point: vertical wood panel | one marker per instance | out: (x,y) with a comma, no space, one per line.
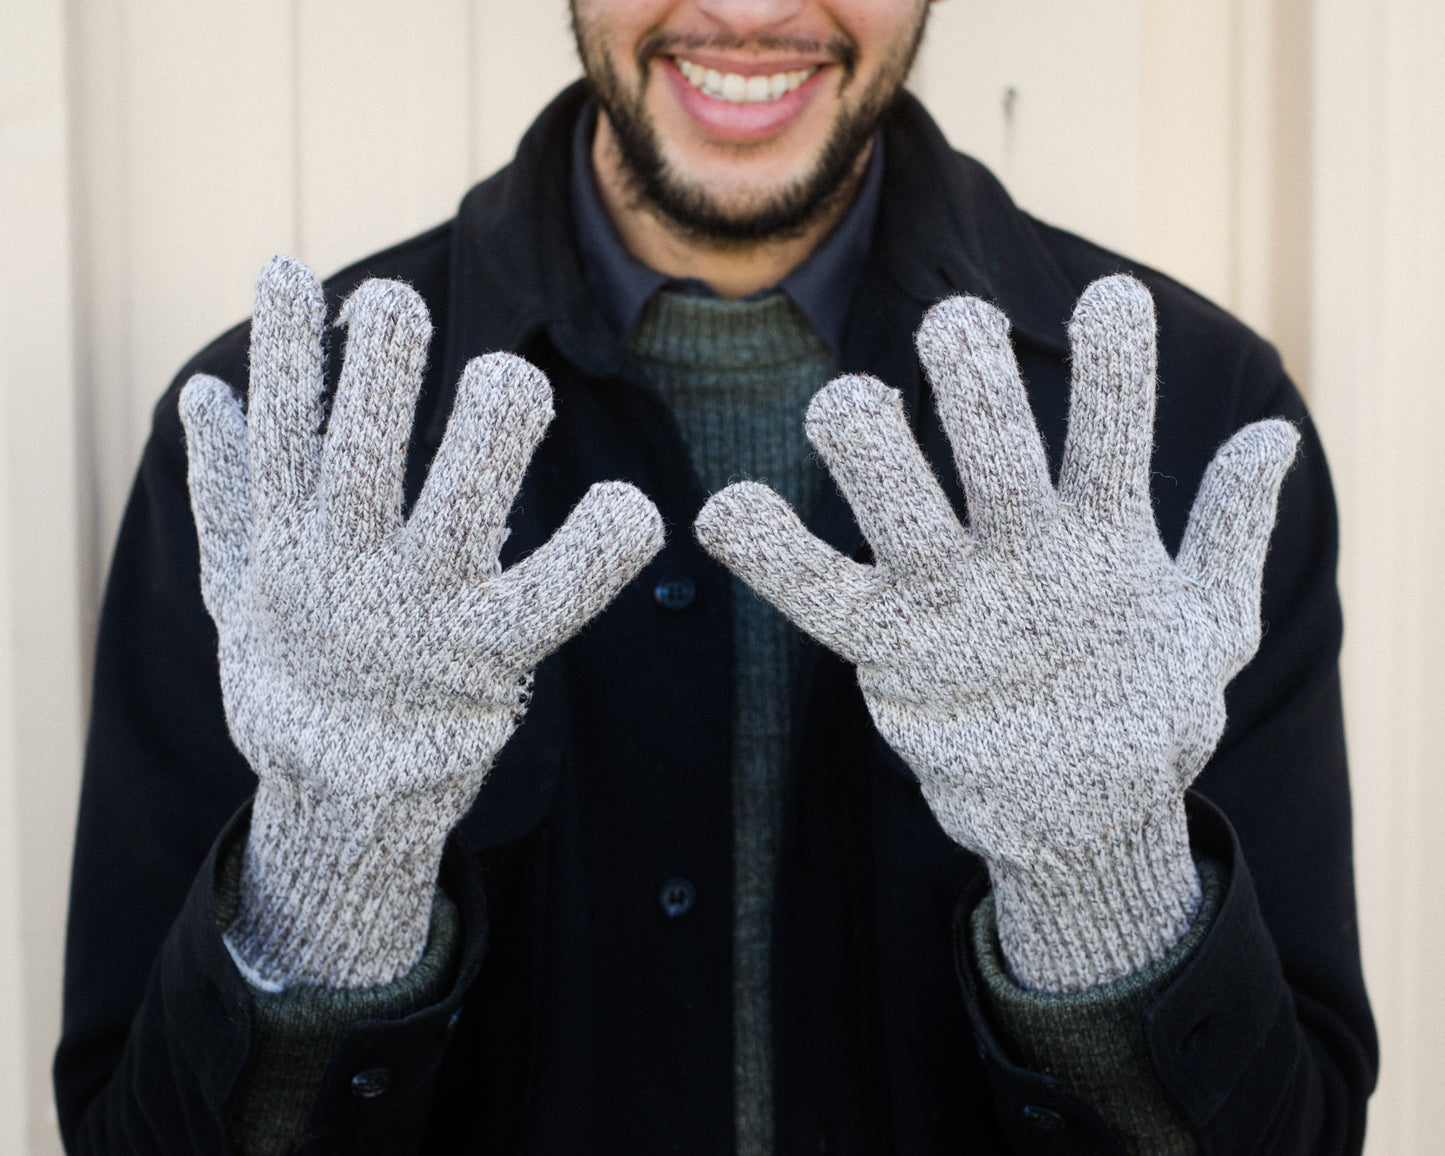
(1379,322)
(1291,184)
(209,177)
(383,105)
(40,648)
(1225,158)
(108,420)
(1254,141)
(1067,143)
(185,183)
(522,56)
(1186,143)
(15,1040)
(1346,374)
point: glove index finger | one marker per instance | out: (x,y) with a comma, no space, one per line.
(860,429)
(540,602)
(753,531)
(503,407)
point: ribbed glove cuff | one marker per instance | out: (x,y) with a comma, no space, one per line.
(1076,918)
(334,896)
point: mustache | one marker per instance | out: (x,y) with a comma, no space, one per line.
(839,50)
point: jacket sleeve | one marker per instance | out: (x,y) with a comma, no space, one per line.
(159,1027)
(1093,1040)
(297,1030)
(1264,1042)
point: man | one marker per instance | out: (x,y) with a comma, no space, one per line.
(700,902)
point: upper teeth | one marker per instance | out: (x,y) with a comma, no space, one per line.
(742,89)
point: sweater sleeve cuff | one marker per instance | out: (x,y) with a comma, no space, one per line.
(297,1030)
(1093,1040)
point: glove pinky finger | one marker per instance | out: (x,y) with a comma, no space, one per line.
(609,536)
(219,479)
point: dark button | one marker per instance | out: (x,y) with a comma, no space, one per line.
(675,593)
(371,1083)
(1045,1118)
(677,897)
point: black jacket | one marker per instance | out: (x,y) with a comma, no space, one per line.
(583,1018)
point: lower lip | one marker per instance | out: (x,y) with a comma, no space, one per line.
(742,123)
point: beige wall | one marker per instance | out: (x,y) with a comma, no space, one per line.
(1378,320)
(1284,156)
(40,571)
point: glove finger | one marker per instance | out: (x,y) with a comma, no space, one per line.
(1229,526)
(861,431)
(609,536)
(219,479)
(964,346)
(361,466)
(752,531)
(502,410)
(287,382)
(1111,404)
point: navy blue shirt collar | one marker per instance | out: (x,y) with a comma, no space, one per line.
(821,287)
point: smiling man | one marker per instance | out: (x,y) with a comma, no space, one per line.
(733,137)
(748,644)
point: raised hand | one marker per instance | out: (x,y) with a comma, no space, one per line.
(1052,676)
(373,666)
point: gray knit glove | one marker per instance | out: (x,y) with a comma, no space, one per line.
(371,666)
(1053,678)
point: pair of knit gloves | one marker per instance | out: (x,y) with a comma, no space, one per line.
(1054,679)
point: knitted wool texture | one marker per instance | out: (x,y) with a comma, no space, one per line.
(294,1033)
(737,376)
(1094,1040)
(1054,679)
(372,666)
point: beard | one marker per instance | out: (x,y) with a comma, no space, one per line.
(692,207)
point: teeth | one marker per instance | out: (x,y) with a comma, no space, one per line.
(737,89)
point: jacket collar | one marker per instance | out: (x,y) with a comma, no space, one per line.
(515,271)
(945,226)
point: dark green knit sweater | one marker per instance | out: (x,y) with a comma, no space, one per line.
(738,376)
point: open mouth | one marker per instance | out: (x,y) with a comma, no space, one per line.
(737,89)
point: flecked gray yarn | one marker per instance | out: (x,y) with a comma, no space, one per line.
(737,376)
(1052,676)
(1095,1041)
(372,666)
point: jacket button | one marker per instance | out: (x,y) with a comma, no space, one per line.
(677,897)
(1043,1118)
(370,1083)
(675,593)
